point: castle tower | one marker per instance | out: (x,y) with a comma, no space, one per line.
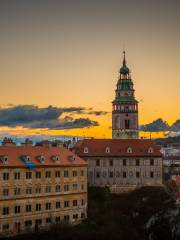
(125,107)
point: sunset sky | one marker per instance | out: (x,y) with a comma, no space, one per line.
(67,53)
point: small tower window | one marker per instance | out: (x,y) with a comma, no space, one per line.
(86,150)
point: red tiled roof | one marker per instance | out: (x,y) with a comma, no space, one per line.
(15,153)
(118,147)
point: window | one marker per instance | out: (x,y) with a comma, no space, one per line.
(48,206)
(58,188)
(5,211)
(66,204)
(28,175)
(124,174)
(58,219)
(82,187)
(58,204)
(75,186)
(66,188)
(28,208)
(28,223)
(127,123)
(82,173)
(75,203)
(66,173)
(28,190)
(66,218)
(108,150)
(129,150)
(38,189)
(111,174)
(38,222)
(97,174)
(5,227)
(111,163)
(150,150)
(17,209)
(85,150)
(98,162)
(5,176)
(38,207)
(5,192)
(137,162)
(151,174)
(124,162)
(17,191)
(137,174)
(48,220)
(57,174)
(152,162)
(48,189)
(75,216)
(38,174)
(16,175)
(82,202)
(48,174)
(74,173)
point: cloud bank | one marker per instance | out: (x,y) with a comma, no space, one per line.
(31,116)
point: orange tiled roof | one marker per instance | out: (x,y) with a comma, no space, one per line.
(117,147)
(15,153)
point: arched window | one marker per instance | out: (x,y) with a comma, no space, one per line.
(129,150)
(108,150)
(86,150)
(150,150)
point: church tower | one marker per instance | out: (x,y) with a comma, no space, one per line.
(125,107)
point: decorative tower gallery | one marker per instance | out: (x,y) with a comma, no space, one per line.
(125,107)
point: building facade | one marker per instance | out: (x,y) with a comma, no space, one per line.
(40,186)
(121,164)
(125,107)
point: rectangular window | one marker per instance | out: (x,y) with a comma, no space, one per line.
(28,208)
(75,203)
(5,176)
(137,162)
(74,173)
(152,162)
(75,216)
(82,202)
(48,189)
(48,174)
(66,204)
(5,227)
(111,163)
(82,173)
(124,162)
(28,190)
(38,207)
(38,189)
(98,162)
(17,209)
(58,204)
(66,188)
(28,223)
(17,191)
(58,219)
(75,186)
(58,188)
(17,175)
(5,192)
(48,206)
(5,211)
(48,220)
(66,218)
(151,174)
(137,174)
(124,174)
(38,175)
(57,174)
(28,175)
(38,222)
(66,173)
(97,174)
(111,174)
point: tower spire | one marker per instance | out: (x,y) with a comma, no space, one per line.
(124,59)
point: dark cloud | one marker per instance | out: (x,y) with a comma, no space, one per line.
(156,126)
(31,116)
(98,113)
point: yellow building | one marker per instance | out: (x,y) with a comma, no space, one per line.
(40,186)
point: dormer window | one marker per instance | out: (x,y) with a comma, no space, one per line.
(26,158)
(56,158)
(108,150)
(150,150)
(72,158)
(129,150)
(41,158)
(85,150)
(4,159)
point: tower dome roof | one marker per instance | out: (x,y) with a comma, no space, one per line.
(124,69)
